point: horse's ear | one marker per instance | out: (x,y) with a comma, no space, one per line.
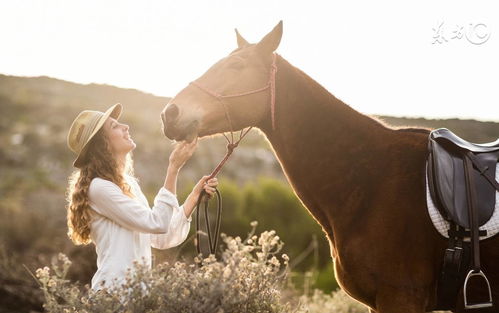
(271,41)
(241,42)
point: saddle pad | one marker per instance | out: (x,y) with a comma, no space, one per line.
(442,226)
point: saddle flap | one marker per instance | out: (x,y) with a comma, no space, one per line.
(447,174)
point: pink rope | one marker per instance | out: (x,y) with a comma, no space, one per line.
(273,71)
(270,85)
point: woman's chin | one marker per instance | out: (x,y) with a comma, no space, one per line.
(132,145)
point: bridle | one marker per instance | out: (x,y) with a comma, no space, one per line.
(270,85)
(231,145)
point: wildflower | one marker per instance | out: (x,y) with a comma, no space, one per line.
(227,272)
(285,257)
(42,272)
(274,261)
(210,259)
(51,283)
(64,259)
(260,255)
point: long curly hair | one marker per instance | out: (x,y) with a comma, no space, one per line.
(101,163)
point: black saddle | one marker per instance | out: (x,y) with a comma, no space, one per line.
(447,176)
(461,177)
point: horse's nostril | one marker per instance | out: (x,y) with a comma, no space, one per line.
(170,113)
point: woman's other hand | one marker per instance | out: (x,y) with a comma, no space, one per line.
(181,153)
(207,185)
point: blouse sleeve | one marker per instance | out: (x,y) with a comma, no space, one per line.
(179,224)
(107,199)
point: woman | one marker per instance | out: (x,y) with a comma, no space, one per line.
(106,205)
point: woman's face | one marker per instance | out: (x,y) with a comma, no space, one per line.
(119,139)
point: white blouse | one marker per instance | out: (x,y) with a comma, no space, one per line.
(123,229)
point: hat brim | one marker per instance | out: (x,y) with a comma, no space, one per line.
(114,112)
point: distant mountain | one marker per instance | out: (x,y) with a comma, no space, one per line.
(472,130)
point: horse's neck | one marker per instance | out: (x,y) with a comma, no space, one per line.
(320,142)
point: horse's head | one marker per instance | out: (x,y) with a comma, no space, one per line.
(197,111)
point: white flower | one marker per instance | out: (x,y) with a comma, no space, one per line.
(42,272)
(227,272)
(51,283)
(274,261)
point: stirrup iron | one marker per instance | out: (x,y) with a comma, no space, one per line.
(467,305)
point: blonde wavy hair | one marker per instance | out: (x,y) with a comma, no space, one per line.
(101,163)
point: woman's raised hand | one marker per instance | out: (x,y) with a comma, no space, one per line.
(182,152)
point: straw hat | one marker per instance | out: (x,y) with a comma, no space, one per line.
(85,126)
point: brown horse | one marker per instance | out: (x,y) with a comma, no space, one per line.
(362,181)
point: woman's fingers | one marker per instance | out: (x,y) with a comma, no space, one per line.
(208,185)
(209,189)
(182,152)
(190,146)
(212,182)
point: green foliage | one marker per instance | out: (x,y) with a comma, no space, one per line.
(275,206)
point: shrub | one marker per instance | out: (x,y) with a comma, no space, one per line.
(248,278)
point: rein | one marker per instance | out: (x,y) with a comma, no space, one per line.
(231,145)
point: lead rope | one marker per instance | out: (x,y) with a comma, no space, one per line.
(231,145)
(213,240)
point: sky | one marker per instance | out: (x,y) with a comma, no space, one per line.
(433,59)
